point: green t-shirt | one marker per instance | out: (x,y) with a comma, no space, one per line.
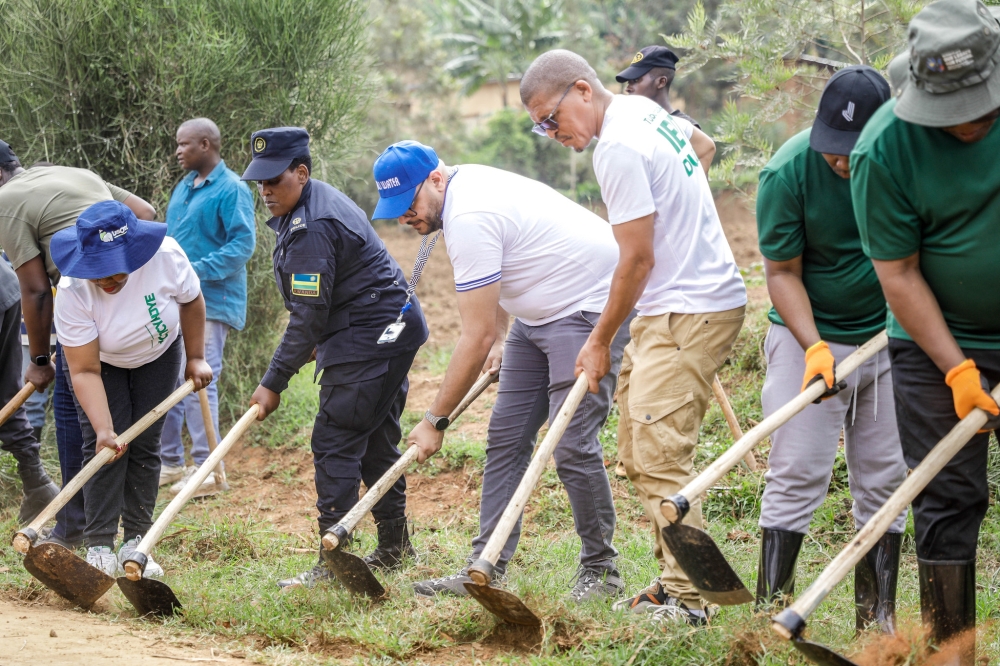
(919,189)
(804,208)
(38,202)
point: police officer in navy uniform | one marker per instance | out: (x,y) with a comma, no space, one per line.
(345,296)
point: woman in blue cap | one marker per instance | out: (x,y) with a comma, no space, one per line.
(127,300)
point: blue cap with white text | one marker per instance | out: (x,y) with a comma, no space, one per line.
(398,171)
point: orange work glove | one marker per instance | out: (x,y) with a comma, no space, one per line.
(820,367)
(970,390)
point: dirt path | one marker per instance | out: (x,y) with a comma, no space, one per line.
(39,634)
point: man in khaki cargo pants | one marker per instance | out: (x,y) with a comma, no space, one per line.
(675,267)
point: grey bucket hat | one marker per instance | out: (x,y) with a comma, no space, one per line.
(954,52)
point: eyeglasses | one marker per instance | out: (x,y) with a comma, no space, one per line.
(409,211)
(549,124)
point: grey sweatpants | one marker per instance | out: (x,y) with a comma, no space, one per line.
(536,375)
(803,450)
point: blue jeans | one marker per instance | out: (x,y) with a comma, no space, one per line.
(189,409)
(34,406)
(71,519)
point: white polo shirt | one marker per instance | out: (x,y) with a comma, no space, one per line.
(645,164)
(551,256)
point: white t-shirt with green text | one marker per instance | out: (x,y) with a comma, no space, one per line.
(140,322)
(645,164)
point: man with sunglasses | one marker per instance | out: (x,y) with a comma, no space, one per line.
(518,248)
(675,267)
(925,186)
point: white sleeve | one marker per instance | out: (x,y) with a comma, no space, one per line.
(74,321)
(626,188)
(185,282)
(475,247)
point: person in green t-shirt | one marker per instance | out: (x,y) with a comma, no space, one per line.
(827,301)
(926,189)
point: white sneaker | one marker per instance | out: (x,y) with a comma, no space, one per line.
(182,481)
(125,551)
(170,474)
(102,559)
(207,487)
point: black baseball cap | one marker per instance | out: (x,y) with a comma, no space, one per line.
(273,151)
(851,97)
(647,59)
(6,153)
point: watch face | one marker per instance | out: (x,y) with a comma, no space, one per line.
(442,423)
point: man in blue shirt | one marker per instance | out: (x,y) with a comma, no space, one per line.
(211,215)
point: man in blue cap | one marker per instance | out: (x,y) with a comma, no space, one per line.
(827,301)
(349,306)
(518,248)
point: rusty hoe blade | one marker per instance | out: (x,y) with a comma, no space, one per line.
(503,604)
(66,574)
(353,573)
(705,565)
(149,596)
(821,654)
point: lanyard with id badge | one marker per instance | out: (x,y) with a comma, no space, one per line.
(393,330)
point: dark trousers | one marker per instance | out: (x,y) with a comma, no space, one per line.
(356,436)
(947,514)
(71,519)
(126,489)
(16,436)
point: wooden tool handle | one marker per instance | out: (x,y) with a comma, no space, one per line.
(22,542)
(731,420)
(718,469)
(206,417)
(534,472)
(152,536)
(873,530)
(19,398)
(330,540)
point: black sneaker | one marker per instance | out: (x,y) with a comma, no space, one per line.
(453,585)
(655,601)
(317,574)
(595,584)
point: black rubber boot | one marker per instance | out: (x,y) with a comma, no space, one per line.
(875,579)
(948,605)
(779,549)
(38,488)
(393,545)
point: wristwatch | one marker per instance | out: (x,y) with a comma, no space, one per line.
(41,360)
(439,422)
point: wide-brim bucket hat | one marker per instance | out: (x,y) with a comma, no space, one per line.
(106,240)
(954,54)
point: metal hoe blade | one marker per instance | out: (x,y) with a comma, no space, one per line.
(821,654)
(353,573)
(705,565)
(66,574)
(150,597)
(503,604)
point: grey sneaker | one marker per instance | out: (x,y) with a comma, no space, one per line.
(453,585)
(101,558)
(125,551)
(317,574)
(663,607)
(596,584)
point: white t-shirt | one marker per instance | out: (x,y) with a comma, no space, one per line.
(140,322)
(645,164)
(552,256)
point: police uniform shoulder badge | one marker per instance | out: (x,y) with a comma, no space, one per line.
(305,284)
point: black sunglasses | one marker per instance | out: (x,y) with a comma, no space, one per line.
(549,124)
(409,211)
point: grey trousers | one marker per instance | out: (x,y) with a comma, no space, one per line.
(536,375)
(16,435)
(803,450)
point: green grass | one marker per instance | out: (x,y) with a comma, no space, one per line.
(224,570)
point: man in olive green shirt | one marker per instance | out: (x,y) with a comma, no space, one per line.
(827,302)
(926,190)
(34,205)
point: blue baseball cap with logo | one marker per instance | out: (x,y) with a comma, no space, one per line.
(398,171)
(106,240)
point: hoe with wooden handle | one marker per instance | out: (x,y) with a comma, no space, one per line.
(19,398)
(694,550)
(152,597)
(58,568)
(501,603)
(732,421)
(220,471)
(791,622)
(352,571)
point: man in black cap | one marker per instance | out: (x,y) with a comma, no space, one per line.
(925,187)
(827,301)
(650,74)
(348,304)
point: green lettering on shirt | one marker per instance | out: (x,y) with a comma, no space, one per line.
(154,319)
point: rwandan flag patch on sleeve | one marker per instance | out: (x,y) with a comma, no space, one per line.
(305,284)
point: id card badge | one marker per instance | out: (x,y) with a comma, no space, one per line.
(391,333)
